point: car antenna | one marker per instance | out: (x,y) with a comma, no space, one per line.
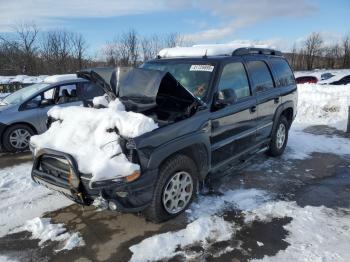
(205,55)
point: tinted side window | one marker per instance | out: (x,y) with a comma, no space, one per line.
(234,77)
(89,91)
(284,75)
(261,75)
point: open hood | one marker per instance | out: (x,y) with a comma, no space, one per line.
(140,89)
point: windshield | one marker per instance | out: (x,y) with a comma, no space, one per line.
(24,93)
(195,77)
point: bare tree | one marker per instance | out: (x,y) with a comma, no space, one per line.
(27,36)
(79,48)
(313,47)
(150,47)
(346,51)
(331,55)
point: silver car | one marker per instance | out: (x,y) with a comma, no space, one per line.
(24,112)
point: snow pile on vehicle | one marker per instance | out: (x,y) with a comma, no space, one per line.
(58,78)
(88,135)
(23,199)
(42,229)
(323,105)
(209,50)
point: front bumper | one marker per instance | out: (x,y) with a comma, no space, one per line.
(127,196)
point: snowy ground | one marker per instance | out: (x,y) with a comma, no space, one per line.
(295,208)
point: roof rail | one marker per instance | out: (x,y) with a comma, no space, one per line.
(254,50)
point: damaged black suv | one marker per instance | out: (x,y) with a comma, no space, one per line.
(214,112)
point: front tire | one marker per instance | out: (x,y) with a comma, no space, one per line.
(175,189)
(16,138)
(279,137)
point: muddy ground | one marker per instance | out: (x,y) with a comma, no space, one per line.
(322,179)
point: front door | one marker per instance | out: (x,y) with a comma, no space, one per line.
(234,125)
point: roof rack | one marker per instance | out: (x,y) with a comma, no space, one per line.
(254,50)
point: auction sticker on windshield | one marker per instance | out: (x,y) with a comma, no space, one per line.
(207,68)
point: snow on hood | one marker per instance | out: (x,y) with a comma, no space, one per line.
(83,133)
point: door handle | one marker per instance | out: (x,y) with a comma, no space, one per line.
(253,109)
(277,100)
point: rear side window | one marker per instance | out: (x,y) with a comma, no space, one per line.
(284,75)
(261,76)
(234,77)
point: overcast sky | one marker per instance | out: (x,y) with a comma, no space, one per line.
(276,22)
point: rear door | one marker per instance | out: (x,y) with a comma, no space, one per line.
(233,126)
(268,97)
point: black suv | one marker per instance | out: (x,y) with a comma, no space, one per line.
(213,112)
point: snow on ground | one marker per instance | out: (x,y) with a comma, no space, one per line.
(207,227)
(323,105)
(315,233)
(301,145)
(83,133)
(22,199)
(42,229)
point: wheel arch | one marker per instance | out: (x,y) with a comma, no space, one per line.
(194,147)
(286,109)
(19,123)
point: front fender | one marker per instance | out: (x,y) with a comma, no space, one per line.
(198,141)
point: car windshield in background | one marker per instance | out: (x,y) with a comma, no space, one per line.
(195,77)
(24,93)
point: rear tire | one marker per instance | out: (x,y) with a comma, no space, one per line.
(279,137)
(16,138)
(175,189)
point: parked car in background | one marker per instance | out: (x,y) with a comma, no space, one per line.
(326,76)
(342,81)
(306,79)
(24,112)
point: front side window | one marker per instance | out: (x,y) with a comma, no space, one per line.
(234,77)
(261,76)
(195,77)
(36,101)
(284,75)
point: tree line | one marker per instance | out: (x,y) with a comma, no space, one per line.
(33,52)
(315,53)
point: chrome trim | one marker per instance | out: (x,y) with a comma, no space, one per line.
(266,125)
(51,186)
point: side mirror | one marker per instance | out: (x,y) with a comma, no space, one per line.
(46,102)
(225,97)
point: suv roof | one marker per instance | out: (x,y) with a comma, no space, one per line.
(216,51)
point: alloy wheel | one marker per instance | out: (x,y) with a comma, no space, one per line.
(19,138)
(178,192)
